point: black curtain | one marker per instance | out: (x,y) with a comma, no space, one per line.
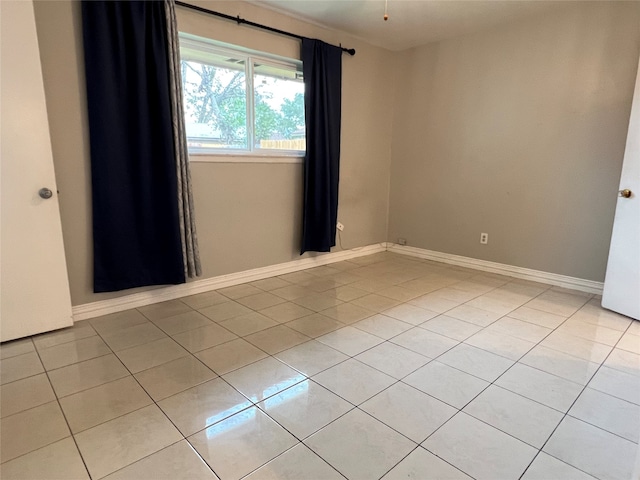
(136,236)
(322,69)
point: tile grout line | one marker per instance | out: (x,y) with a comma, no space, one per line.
(463,342)
(567,414)
(192,354)
(158,407)
(492,383)
(309,378)
(253,404)
(355,407)
(84,463)
(353,356)
(28,376)
(304,445)
(418,445)
(388,340)
(119,416)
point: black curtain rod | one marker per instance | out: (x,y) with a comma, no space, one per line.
(350,51)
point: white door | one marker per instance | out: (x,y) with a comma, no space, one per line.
(622,283)
(35,287)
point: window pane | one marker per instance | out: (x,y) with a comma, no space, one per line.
(215,102)
(279,108)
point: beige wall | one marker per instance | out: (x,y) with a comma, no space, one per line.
(518,131)
(248,215)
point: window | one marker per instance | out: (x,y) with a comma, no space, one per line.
(242,102)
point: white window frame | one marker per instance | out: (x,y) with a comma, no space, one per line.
(250,57)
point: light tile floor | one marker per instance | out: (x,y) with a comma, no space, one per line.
(384,366)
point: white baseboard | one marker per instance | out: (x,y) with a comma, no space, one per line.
(134,300)
(125,302)
(573,283)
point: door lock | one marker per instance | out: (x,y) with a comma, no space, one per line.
(626,193)
(45,193)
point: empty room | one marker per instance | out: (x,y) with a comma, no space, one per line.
(320,239)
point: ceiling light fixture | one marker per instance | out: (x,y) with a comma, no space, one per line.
(386,17)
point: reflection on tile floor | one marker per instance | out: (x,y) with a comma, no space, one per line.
(383,366)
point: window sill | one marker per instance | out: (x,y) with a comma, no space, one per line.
(243,158)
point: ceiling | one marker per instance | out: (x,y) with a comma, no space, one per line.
(411,22)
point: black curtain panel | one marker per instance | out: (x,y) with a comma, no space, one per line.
(136,236)
(322,69)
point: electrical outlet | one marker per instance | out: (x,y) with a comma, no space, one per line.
(402,241)
(340,226)
(484,238)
